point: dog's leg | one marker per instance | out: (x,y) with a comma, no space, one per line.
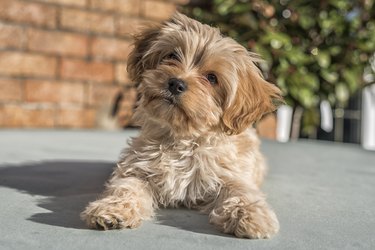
(126,202)
(241,210)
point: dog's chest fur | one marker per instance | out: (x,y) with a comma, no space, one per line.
(183,172)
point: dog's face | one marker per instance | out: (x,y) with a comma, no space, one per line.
(194,80)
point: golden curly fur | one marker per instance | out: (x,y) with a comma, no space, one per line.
(195,148)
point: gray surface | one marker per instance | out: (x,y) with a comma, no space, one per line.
(323,194)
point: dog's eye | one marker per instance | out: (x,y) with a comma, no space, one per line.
(212,78)
(173,56)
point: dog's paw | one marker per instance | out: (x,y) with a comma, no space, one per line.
(254,221)
(110,213)
(260,223)
(106,222)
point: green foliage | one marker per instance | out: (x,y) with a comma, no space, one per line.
(314,50)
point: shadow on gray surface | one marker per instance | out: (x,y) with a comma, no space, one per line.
(188,220)
(69,186)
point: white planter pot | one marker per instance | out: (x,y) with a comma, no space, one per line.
(284,123)
(368,117)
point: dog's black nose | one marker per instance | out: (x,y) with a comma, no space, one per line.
(176,86)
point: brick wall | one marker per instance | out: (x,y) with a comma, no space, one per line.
(63,61)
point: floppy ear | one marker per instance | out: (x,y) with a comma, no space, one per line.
(136,63)
(254,98)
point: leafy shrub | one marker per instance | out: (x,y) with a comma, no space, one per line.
(314,50)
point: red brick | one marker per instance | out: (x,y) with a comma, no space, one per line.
(181,2)
(79,3)
(54,92)
(26,12)
(110,48)
(127,26)
(130,97)
(61,43)
(104,117)
(130,7)
(10,90)
(15,116)
(11,36)
(126,108)
(83,70)
(102,95)
(76,118)
(107,5)
(23,64)
(122,76)
(158,10)
(87,21)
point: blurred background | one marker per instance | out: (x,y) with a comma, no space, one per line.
(63,62)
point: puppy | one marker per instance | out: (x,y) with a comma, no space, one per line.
(200,94)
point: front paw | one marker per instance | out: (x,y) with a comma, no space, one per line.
(254,221)
(111,213)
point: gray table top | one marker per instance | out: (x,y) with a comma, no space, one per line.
(323,194)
